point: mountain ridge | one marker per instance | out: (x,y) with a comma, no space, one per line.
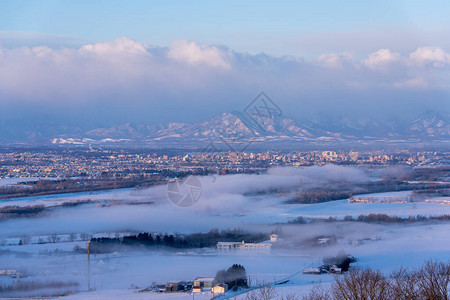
(239,127)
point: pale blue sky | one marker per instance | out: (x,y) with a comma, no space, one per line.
(274,27)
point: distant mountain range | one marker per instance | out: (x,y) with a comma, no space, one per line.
(237,130)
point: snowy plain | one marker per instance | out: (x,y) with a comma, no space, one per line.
(225,204)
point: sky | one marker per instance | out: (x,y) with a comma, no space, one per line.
(276,28)
(100,63)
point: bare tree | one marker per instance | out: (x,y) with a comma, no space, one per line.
(403,285)
(25,239)
(290,296)
(317,293)
(85,236)
(433,280)
(251,296)
(360,284)
(54,238)
(430,282)
(72,237)
(265,291)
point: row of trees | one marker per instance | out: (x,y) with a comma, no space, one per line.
(383,218)
(376,218)
(14,211)
(235,277)
(194,240)
(69,185)
(344,190)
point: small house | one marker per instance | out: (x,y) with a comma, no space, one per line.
(203,284)
(323,241)
(273,238)
(174,286)
(335,270)
(219,288)
(315,271)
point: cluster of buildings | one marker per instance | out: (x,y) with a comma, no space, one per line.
(94,163)
(199,285)
(254,248)
(211,284)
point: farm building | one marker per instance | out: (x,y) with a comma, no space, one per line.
(262,247)
(176,286)
(219,288)
(203,284)
(228,245)
(315,271)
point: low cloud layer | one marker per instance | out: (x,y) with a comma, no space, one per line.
(131,81)
(228,201)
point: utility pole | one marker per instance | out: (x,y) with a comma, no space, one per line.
(89,264)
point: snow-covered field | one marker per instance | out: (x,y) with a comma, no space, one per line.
(225,203)
(52,200)
(116,274)
(342,208)
(15,181)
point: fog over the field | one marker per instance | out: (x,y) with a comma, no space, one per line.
(229,201)
(243,201)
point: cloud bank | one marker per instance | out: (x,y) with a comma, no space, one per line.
(131,81)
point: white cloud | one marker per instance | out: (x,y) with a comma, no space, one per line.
(418,82)
(334,60)
(124,67)
(122,45)
(193,54)
(430,55)
(382,59)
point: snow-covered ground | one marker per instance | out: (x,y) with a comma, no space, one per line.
(224,204)
(342,208)
(52,200)
(15,181)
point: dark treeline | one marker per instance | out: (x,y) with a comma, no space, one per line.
(21,211)
(194,240)
(419,195)
(235,277)
(383,218)
(341,260)
(395,181)
(338,191)
(15,211)
(375,218)
(104,182)
(425,174)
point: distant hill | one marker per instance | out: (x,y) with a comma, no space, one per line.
(236,130)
